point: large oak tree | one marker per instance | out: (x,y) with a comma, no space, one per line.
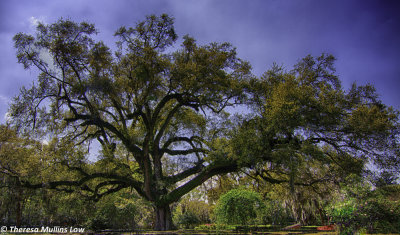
(161,112)
(154,104)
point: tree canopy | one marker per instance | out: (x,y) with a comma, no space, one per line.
(162,114)
(304,121)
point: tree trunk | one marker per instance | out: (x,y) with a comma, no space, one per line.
(18,209)
(321,212)
(163,219)
(18,212)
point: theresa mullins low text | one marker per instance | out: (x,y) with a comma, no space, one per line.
(47,229)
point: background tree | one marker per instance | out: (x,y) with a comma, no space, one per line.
(26,165)
(305,124)
(19,159)
(307,193)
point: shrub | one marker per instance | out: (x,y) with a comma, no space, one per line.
(217,227)
(378,211)
(239,206)
(187,220)
(191,212)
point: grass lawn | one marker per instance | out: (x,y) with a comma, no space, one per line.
(227,232)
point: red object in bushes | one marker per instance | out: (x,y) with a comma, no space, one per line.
(327,228)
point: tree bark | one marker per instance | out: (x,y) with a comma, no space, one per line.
(18,209)
(321,213)
(18,212)
(163,218)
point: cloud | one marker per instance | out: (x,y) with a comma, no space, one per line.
(4,99)
(34,21)
(7,117)
(4,102)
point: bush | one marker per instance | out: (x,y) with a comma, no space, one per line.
(377,211)
(191,212)
(113,212)
(216,227)
(345,216)
(187,220)
(383,215)
(121,210)
(239,206)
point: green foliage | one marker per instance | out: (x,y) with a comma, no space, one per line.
(187,220)
(305,115)
(191,212)
(382,215)
(239,206)
(275,213)
(113,212)
(218,186)
(216,227)
(360,208)
(308,134)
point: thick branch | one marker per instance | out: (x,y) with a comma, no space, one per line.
(265,176)
(184,151)
(90,120)
(120,180)
(165,125)
(207,173)
(162,104)
(96,197)
(184,174)
(181,139)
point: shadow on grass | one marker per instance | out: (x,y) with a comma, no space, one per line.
(193,231)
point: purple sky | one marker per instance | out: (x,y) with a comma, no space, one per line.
(363,35)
